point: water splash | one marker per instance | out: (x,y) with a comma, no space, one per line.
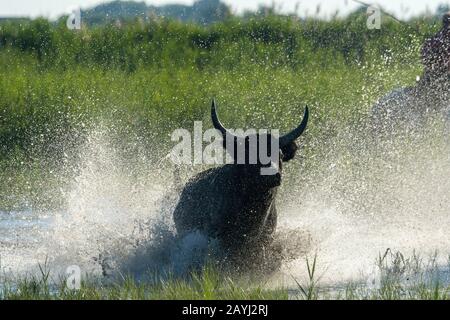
(361,198)
(373,195)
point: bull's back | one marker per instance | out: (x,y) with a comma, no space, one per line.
(202,202)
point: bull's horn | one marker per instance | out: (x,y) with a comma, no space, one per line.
(216,122)
(297,132)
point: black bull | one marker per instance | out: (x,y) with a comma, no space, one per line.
(234,203)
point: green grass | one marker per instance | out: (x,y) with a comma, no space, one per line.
(143,81)
(205,285)
(161,75)
(46,116)
(401,278)
(147,80)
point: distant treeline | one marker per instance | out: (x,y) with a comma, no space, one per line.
(273,40)
(201,11)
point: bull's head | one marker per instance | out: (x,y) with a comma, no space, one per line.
(260,155)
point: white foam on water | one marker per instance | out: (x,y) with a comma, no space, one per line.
(351,211)
(395,199)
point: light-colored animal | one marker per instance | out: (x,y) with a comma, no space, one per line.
(410,107)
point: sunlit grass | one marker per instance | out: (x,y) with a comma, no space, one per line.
(56,86)
(146,81)
(208,284)
(46,116)
(399,278)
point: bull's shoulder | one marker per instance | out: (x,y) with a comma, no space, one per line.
(203,201)
(212,179)
(208,188)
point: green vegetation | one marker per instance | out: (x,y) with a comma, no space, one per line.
(202,11)
(205,285)
(400,277)
(161,74)
(145,78)
(149,78)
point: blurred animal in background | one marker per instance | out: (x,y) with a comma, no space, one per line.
(411,106)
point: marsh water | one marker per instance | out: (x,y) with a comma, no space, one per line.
(350,204)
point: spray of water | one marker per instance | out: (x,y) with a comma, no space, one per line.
(360,197)
(372,195)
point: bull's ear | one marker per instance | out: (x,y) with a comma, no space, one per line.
(288,151)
